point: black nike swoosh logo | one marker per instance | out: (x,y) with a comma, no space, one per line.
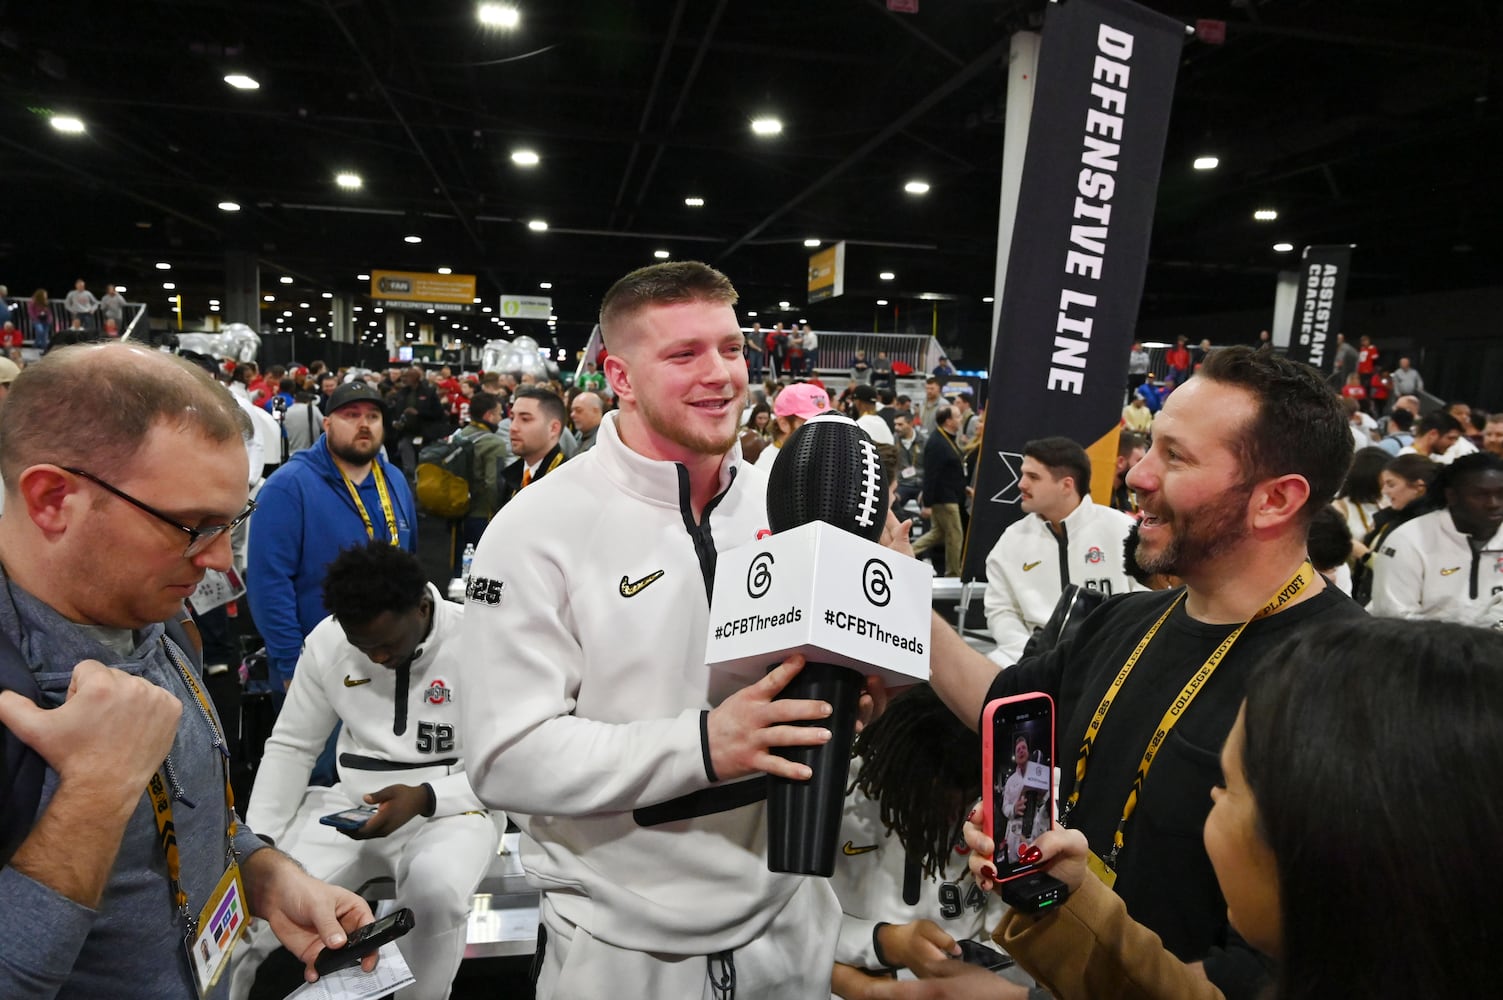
(850,850)
(630,589)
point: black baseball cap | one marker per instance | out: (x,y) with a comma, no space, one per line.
(866,393)
(357,391)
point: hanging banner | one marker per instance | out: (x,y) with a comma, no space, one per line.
(1323,273)
(827,273)
(417,289)
(527,306)
(1075,271)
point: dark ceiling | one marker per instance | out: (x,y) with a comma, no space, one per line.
(1374,122)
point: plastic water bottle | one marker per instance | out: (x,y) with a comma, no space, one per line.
(466,559)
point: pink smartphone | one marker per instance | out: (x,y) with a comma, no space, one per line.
(1017,767)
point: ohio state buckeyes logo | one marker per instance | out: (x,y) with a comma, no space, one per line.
(1095,555)
(438,693)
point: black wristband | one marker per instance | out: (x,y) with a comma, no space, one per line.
(704,746)
(877,946)
(432,806)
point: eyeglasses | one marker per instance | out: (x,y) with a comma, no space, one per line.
(199,539)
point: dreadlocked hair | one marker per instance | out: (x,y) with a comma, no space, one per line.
(921,766)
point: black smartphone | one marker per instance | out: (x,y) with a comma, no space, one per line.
(349,820)
(976,953)
(364,940)
(1017,765)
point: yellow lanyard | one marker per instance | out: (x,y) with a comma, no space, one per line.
(387,511)
(161,801)
(1297,584)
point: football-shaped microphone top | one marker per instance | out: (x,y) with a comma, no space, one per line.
(828,470)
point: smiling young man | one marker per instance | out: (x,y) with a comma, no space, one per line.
(601,731)
(339,492)
(385,664)
(126,472)
(1243,455)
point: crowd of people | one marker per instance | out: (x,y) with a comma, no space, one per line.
(1222,661)
(84,317)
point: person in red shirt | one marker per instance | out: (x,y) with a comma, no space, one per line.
(1367,356)
(1379,388)
(1354,389)
(1177,360)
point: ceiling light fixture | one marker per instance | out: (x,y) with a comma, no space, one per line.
(811,242)
(286,279)
(783,304)
(162,265)
(168,286)
(1265,215)
(917,187)
(695,202)
(349,181)
(988,298)
(881,302)
(67,123)
(412,238)
(660,254)
(766,126)
(545,284)
(267,298)
(446,270)
(525,158)
(242,82)
(538,226)
(1206,163)
(330,295)
(498,15)
(362,277)
(1283,247)
(887,276)
(229,206)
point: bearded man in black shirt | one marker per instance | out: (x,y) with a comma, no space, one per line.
(1243,455)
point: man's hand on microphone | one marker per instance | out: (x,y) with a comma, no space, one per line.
(744,728)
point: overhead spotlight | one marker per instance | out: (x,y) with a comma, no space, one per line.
(811,242)
(1265,215)
(766,126)
(881,302)
(121,289)
(1206,163)
(242,82)
(917,187)
(783,304)
(988,298)
(412,238)
(285,279)
(267,298)
(660,254)
(545,285)
(694,202)
(498,15)
(752,313)
(229,206)
(1283,247)
(328,295)
(446,270)
(525,158)
(538,226)
(349,181)
(213,309)
(168,286)
(362,277)
(887,276)
(212,302)
(162,265)
(67,123)
(302,305)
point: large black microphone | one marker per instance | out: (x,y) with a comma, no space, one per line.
(829,471)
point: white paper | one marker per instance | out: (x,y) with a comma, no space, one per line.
(391,973)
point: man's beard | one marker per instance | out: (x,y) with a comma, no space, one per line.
(350,452)
(1198,538)
(680,434)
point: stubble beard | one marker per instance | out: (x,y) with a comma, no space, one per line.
(1198,538)
(679,434)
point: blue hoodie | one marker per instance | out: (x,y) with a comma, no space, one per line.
(304,517)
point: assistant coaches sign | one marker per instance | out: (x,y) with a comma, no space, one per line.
(1080,244)
(1323,272)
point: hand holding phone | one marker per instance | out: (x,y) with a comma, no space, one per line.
(364,940)
(1017,768)
(349,820)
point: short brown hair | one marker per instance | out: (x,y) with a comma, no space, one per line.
(1300,428)
(93,405)
(672,283)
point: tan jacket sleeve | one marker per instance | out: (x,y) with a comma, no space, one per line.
(1091,948)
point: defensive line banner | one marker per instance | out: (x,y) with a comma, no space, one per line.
(1323,275)
(1080,247)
